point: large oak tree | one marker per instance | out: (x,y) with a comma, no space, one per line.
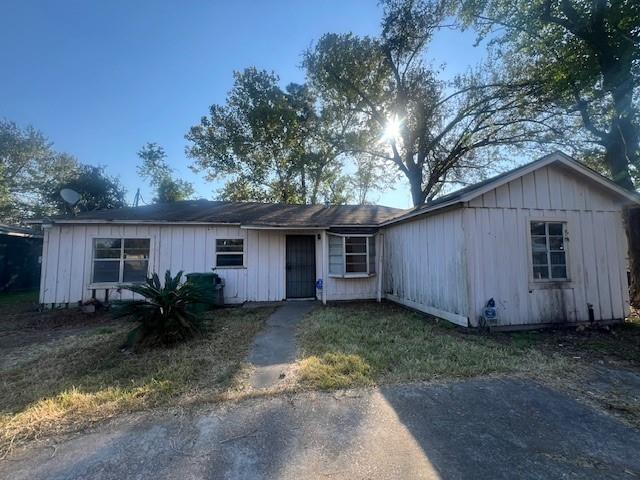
(433,131)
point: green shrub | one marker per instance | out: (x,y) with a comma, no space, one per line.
(165,314)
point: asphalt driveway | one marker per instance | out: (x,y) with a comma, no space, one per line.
(481,429)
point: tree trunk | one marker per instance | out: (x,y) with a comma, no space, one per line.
(632,223)
(415,181)
(618,161)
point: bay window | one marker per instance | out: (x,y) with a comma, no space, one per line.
(352,255)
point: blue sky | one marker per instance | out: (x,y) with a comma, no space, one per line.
(101,78)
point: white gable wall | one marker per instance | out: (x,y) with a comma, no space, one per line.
(496,225)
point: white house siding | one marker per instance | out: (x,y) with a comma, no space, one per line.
(68,251)
(424,265)
(496,225)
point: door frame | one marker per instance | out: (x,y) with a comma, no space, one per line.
(315,265)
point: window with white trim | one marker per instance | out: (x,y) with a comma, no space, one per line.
(548,253)
(120,260)
(229,252)
(352,255)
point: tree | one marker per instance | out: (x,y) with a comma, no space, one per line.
(155,168)
(28,164)
(434,132)
(584,56)
(98,191)
(370,175)
(271,144)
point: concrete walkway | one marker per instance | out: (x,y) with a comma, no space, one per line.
(274,348)
(481,429)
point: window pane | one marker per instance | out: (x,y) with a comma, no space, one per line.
(559,271)
(555,229)
(537,228)
(539,244)
(356,264)
(336,260)
(540,272)
(135,271)
(372,255)
(558,258)
(107,243)
(232,260)
(556,243)
(355,244)
(106,248)
(539,258)
(229,245)
(106,271)
(136,248)
(335,265)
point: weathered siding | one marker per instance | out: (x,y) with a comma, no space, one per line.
(68,250)
(424,265)
(497,234)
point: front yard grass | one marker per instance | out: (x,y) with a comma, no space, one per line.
(65,383)
(365,344)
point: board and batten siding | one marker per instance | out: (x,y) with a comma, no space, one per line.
(68,256)
(424,265)
(497,225)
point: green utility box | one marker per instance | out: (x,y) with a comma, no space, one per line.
(212,288)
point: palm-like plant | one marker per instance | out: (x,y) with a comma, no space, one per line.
(164,314)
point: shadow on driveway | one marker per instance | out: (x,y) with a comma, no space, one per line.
(480,429)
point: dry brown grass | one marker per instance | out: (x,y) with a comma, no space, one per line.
(73,381)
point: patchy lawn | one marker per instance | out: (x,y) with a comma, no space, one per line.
(367,343)
(71,371)
(361,344)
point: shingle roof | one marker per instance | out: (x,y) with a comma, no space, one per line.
(245,213)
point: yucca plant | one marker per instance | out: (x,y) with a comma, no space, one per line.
(164,314)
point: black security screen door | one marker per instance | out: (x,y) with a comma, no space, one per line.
(301,266)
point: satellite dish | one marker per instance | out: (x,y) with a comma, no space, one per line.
(70,196)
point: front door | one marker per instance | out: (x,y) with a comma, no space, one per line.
(301,266)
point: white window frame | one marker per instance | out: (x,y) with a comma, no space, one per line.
(243,253)
(120,261)
(345,274)
(549,282)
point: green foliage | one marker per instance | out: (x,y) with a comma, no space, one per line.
(164,314)
(97,190)
(28,165)
(584,56)
(154,167)
(272,144)
(432,131)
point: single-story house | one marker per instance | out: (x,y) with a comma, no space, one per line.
(20,250)
(545,241)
